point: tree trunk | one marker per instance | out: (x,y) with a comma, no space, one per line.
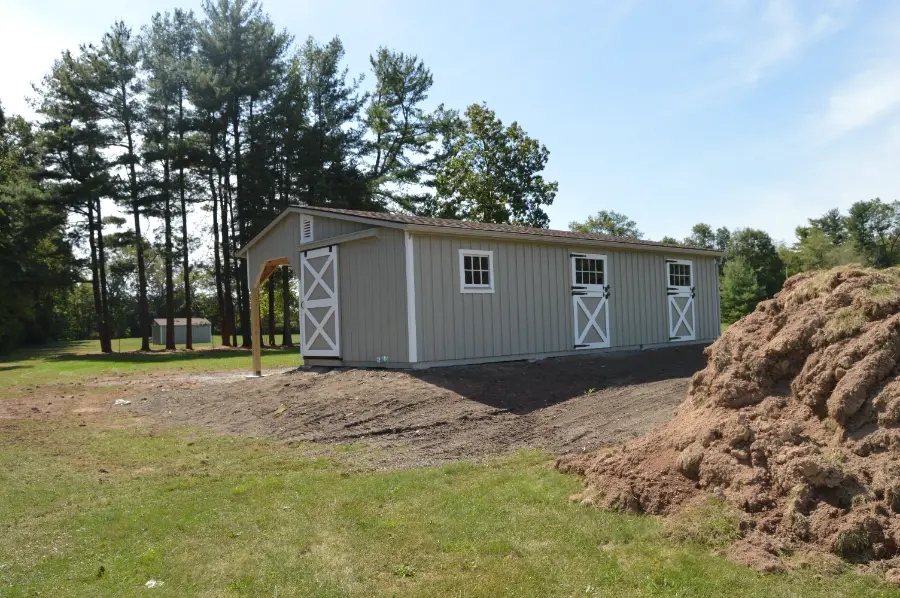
(105,341)
(170,279)
(243,289)
(228,327)
(188,330)
(271,322)
(143,304)
(220,302)
(167,222)
(286,337)
(236,267)
(95,279)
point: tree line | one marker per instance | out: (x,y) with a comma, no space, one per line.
(755,266)
(157,152)
(223,119)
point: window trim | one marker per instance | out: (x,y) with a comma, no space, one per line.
(473,288)
(601,257)
(681,262)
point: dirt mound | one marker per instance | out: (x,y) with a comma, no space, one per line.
(795,420)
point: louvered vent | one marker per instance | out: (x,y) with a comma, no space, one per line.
(306,229)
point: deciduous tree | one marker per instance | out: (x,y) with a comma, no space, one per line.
(608,223)
(491,173)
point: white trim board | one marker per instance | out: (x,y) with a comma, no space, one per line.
(411,298)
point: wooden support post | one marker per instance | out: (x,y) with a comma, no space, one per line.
(255,331)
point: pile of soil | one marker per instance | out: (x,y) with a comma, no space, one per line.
(795,420)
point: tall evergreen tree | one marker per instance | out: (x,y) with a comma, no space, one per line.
(160,62)
(240,46)
(114,81)
(333,141)
(400,131)
(72,139)
(36,261)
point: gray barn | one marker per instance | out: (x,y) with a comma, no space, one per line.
(201,331)
(392,290)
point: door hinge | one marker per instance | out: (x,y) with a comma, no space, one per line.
(581,346)
(579,292)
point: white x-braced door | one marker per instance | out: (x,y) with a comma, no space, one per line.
(590,300)
(320,330)
(680,302)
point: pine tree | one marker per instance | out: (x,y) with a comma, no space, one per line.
(331,145)
(740,292)
(71,139)
(401,131)
(184,40)
(159,60)
(242,50)
(112,77)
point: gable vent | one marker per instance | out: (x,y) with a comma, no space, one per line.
(306,229)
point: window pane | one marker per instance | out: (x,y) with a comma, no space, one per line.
(467,262)
(484,262)
(486,278)
(468,277)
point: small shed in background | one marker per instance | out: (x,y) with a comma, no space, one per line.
(202,331)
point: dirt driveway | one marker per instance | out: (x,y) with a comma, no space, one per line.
(416,418)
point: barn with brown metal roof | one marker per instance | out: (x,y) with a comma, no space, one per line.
(392,290)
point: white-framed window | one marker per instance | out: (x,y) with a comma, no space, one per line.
(476,271)
(306,228)
(589,270)
(680,274)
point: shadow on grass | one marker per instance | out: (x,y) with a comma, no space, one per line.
(166,356)
(6,368)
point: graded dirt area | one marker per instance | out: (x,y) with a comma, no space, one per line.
(416,418)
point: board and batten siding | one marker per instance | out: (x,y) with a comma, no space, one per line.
(284,240)
(530,311)
(326,228)
(373,298)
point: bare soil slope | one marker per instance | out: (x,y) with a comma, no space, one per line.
(560,405)
(795,420)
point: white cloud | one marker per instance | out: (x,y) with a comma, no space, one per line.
(781,35)
(865,99)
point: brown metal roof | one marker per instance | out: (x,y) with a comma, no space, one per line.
(182,321)
(500,228)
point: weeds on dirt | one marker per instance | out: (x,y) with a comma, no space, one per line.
(713,523)
(845,323)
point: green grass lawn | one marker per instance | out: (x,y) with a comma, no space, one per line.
(219,516)
(77,361)
(99,509)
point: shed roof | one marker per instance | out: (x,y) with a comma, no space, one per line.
(438,225)
(182,321)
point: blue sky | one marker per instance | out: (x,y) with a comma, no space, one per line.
(732,112)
